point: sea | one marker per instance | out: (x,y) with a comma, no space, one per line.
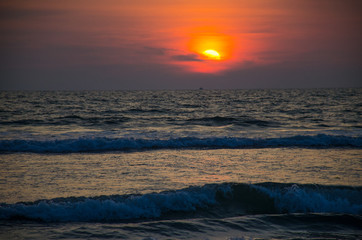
(181,164)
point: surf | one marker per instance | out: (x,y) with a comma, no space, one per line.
(211,200)
(103,144)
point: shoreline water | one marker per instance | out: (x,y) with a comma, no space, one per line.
(33,176)
(248,164)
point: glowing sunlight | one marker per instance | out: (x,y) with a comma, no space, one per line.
(212,54)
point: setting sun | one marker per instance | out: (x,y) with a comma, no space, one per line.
(212,54)
(213,50)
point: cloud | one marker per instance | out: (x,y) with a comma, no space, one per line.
(155,50)
(19,12)
(145,75)
(187,58)
(159,51)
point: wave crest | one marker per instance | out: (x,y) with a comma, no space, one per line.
(125,144)
(221,200)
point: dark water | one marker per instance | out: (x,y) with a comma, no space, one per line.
(203,164)
(135,120)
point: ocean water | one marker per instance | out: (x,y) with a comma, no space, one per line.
(187,164)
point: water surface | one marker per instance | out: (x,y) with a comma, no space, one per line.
(201,164)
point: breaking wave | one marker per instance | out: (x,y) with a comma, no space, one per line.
(217,200)
(102,144)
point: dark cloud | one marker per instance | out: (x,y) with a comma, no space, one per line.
(159,76)
(158,51)
(155,50)
(187,58)
(16,13)
(54,56)
(296,74)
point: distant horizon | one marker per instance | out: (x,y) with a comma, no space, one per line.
(176,89)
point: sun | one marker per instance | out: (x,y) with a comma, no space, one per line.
(213,50)
(211,54)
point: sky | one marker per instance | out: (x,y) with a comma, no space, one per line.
(188,44)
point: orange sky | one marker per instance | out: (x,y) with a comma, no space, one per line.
(173,34)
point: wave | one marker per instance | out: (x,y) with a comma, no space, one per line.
(102,144)
(70,119)
(222,121)
(217,200)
